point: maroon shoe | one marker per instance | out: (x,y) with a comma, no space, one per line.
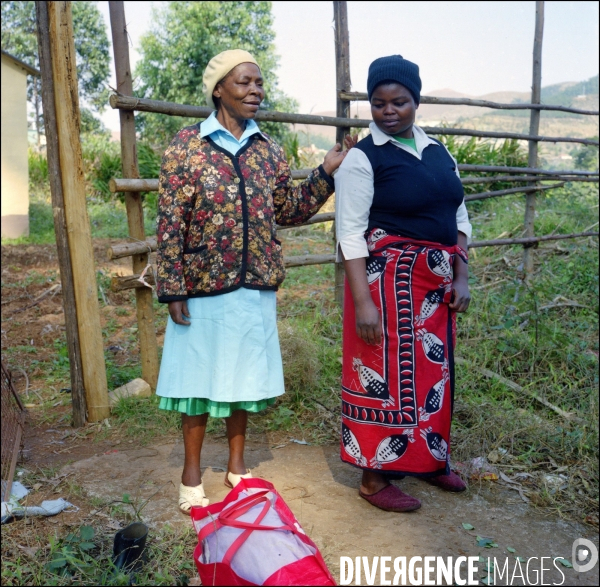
(450,482)
(391,499)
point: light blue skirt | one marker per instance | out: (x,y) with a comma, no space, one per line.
(229,353)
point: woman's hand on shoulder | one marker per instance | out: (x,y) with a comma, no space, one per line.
(177,311)
(335,156)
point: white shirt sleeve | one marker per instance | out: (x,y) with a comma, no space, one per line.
(353,198)
(462,216)
(462,221)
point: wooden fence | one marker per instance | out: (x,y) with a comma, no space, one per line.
(131,185)
(74,245)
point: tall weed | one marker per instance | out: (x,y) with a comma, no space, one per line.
(478,151)
(38,167)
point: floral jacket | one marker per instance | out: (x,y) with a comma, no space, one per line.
(217,214)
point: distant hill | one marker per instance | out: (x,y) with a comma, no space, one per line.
(577,94)
(571,93)
(582,95)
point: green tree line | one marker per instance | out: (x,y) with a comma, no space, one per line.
(174,54)
(19,38)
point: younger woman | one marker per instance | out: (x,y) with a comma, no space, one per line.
(402,230)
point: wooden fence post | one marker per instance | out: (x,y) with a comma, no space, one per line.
(133,200)
(66,105)
(343,84)
(534,127)
(60,223)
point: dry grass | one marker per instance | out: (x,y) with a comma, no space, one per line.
(301,364)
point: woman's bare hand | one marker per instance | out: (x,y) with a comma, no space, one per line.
(177,311)
(368,322)
(335,156)
(350,141)
(461,297)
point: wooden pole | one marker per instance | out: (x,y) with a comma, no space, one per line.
(133,200)
(173,109)
(66,104)
(132,281)
(363,97)
(151,185)
(534,128)
(501,242)
(118,184)
(60,223)
(525,178)
(508,192)
(501,169)
(120,250)
(343,83)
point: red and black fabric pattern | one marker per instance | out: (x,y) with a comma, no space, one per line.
(397,396)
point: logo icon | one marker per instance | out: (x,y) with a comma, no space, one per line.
(584,550)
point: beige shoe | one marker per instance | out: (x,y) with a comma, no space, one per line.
(191,496)
(231,479)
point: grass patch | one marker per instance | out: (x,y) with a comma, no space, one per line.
(541,334)
(108,219)
(140,418)
(83,556)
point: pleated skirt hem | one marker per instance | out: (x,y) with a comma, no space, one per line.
(193,406)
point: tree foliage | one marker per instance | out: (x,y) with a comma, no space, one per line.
(19,38)
(586,157)
(185,36)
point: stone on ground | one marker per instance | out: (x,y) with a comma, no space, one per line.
(138,387)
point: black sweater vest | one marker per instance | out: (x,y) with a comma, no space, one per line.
(416,199)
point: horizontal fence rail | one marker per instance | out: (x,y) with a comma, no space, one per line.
(502,169)
(128,249)
(142,185)
(528,240)
(509,191)
(120,283)
(149,245)
(151,185)
(362,97)
(171,108)
(524,178)
(512,174)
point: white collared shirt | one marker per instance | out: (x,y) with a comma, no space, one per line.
(354,189)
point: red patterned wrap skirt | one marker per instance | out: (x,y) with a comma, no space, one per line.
(397,396)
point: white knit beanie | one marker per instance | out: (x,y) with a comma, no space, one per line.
(219,66)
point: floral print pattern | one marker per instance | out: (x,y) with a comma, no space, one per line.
(217,214)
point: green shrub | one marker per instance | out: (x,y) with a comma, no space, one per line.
(301,365)
(38,168)
(586,157)
(478,151)
(148,161)
(102,162)
(106,167)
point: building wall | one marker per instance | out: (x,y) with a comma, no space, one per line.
(15,174)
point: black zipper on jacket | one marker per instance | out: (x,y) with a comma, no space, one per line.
(235,159)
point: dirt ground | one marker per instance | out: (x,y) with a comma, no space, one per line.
(319,488)
(322,493)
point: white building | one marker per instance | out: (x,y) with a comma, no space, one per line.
(15,173)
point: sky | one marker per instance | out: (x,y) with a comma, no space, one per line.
(471,47)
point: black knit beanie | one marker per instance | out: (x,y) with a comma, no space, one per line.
(395,69)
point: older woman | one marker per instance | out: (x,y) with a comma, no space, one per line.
(223,186)
(402,230)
